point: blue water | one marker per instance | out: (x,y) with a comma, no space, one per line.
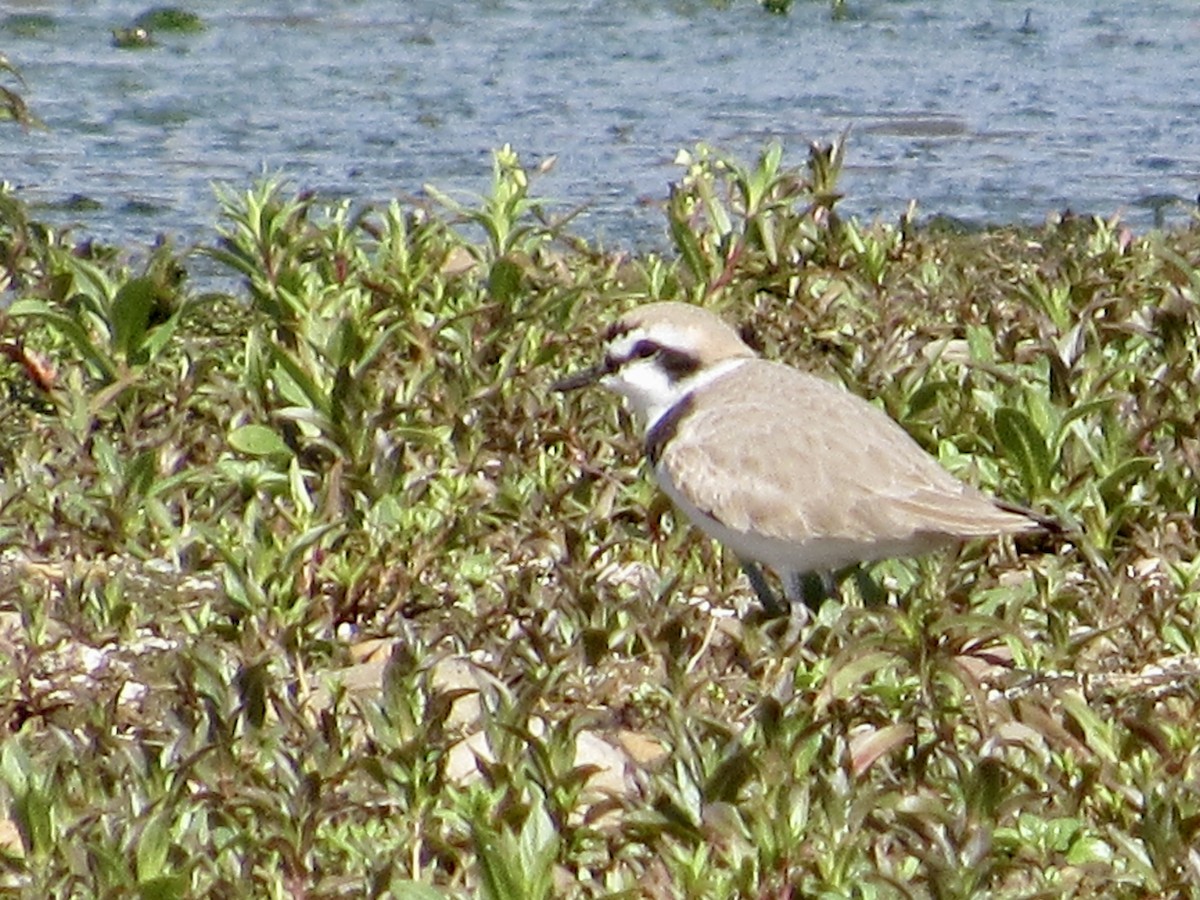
(1093,107)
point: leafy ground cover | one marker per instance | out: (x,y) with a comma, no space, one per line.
(312,589)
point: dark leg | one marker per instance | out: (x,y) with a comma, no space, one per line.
(810,588)
(771,604)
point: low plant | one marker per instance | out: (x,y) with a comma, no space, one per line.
(312,588)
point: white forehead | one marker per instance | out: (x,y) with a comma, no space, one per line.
(666,334)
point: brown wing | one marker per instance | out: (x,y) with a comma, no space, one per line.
(782,453)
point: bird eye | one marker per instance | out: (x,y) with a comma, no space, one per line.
(644,349)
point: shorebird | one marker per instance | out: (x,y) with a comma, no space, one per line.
(783,468)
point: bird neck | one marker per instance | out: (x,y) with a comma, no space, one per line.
(668,412)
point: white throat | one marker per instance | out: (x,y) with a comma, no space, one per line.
(651,393)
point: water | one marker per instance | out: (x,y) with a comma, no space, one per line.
(1093,107)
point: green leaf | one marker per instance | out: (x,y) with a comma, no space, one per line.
(925,397)
(764,174)
(140,473)
(1097,732)
(33,812)
(299,490)
(253,685)
(152,848)
(15,766)
(258,440)
(982,343)
(346,345)
(498,875)
(1025,447)
(1181,266)
(131,310)
(100,362)
(168,887)
(303,379)
(30,807)
(158,336)
(1089,850)
(1113,486)
(842,681)
(765,227)
(538,846)
(378,344)
(413,890)
(91,282)
(714,207)
(689,247)
(1088,408)
(729,777)
(504,281)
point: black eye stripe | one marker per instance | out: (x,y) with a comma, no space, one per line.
(643,349)
(678,364)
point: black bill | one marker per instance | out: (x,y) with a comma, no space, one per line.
(581,379)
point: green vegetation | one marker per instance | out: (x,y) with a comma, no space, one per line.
(170,18)
(13,107)
(783,7)
(30,24)
(157,20)
(314,590)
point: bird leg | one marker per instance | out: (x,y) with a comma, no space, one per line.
(773,606)
(810,588)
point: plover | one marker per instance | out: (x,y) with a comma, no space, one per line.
(780,466)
